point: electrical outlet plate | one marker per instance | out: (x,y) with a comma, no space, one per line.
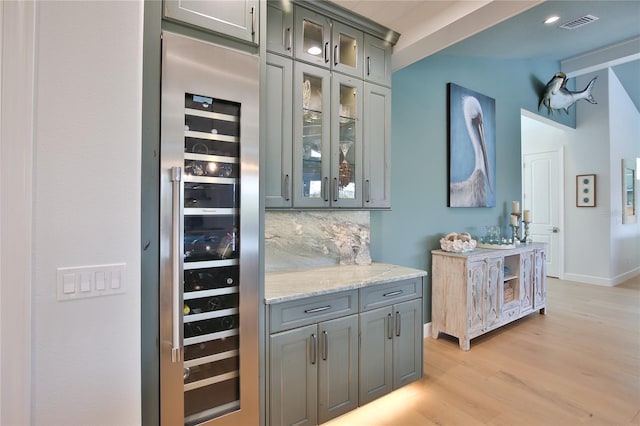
(81,282)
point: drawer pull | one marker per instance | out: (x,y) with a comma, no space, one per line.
(316,310)
(393,293)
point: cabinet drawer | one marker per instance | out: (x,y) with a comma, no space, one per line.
(297,313)
(377,296)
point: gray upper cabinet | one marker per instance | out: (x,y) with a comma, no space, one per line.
(377,147)
(347,51)
(311,135)
(377,60)
(280,28)
(329,44)
(339,155)
(235,18)
(279,132)
(312,37)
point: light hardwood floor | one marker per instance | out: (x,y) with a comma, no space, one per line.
(577,365)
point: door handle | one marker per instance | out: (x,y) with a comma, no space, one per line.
(555,229)
(314,348)
(176,237)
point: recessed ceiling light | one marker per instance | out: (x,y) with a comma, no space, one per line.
(551,19)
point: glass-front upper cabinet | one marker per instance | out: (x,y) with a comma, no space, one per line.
(329,44)
(346,146)
(347,55)
(311,136)
(312,37)
(327,139)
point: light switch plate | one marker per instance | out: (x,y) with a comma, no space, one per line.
(81,282)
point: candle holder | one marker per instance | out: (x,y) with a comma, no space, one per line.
(526,238)
(516,238)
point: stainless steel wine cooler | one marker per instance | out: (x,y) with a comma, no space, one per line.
(209,266)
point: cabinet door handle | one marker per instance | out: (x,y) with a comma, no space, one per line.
(335,190)
(325,189)
(398,323)
(335,55)
(367,191)
(287,197)
(368,65)
(326,52)
(176,256)
(253,21)
(314,348)
(288,39)
(389,327)
(316,310)
(392,293)
(325,345)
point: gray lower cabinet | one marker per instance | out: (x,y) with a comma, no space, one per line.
(314,372)
(329,354)
(391,342)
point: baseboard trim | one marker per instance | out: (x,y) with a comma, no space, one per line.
(426,330)
(606,282)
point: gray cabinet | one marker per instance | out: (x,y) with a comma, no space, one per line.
(341,129)
(237,18)
(377,60)
(280,28)
(327,138)
(479,291)
(313,368)
(376,155)
(391,337)
(326,43)
(330,353)
(279,132)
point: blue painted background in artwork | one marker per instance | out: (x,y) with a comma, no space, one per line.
(462,155)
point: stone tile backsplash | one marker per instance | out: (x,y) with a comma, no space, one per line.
(301,239)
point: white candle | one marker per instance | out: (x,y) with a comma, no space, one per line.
(515,207)
(526,216)
(514,220)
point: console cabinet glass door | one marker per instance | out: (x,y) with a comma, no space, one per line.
(311,136)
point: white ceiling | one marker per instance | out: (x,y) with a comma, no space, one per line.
(508,29)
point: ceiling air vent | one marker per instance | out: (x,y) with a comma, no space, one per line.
(579,22)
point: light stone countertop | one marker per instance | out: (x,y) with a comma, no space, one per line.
(288,285)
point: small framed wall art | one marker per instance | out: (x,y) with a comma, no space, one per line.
(585,190)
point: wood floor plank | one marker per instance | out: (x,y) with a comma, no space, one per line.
(577,365)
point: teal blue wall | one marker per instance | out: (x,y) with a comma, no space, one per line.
(420,216)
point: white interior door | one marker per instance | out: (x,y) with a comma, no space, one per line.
(542,194)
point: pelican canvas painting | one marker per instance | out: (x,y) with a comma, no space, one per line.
(472,148)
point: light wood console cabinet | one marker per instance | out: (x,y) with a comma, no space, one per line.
(481,290)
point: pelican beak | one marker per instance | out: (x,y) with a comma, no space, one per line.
(485,156)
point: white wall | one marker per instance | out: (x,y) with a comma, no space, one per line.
(624,121)
(588,231)
(86,353)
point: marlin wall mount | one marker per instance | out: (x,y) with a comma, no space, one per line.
(556,96)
